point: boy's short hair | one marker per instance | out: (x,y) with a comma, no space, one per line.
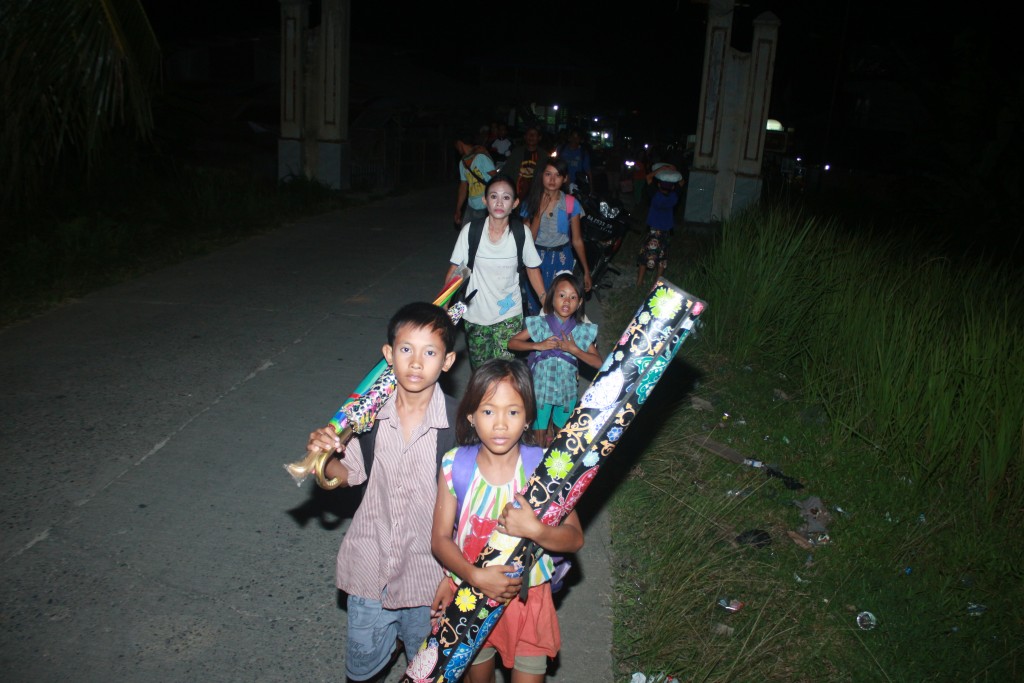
(424,314)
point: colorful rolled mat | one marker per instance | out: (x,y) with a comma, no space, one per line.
(357,414)
(619,390)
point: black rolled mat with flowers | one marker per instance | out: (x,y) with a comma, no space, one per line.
(619,390)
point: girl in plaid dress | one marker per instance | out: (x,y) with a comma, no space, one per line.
(557,340)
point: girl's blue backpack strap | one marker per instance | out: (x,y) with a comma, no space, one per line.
(531,456)
(463,464)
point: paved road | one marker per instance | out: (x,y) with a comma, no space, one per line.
(149,530)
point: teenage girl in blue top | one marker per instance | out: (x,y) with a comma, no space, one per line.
(554,218)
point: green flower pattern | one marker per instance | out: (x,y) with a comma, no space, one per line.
(666,303)
(558,464)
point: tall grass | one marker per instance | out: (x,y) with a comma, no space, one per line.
(921,357)
(885,380)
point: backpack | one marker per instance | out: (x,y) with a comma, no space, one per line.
(463,465)
(445,437)
(468,163)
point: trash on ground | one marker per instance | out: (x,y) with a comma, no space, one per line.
(721,629)
(728,605)
(701,404)
(759,538)
(866,621)
(800,580)
(737,493)
(819,539)
(800,540)
(815,514)
(976,609)
(789,482)
(653,678)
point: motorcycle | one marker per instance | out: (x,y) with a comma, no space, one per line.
(604,223)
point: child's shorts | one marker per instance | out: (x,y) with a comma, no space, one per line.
(548,412)
(654,250)
(527,633)
(373,630)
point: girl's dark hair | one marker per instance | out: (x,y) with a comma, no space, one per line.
(482,382)
(501,178)
(531,204)
(423,314)
(574,281)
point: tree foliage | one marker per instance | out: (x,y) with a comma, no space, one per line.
(72,72)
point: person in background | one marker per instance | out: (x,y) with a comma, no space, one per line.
(613,169)
(522,161)
(641,162)
(500,145)
(476,168)
(577,159)
(554,220)
(660,222)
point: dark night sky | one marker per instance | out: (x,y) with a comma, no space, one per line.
(649,55)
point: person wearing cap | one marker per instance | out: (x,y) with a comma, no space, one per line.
(660,220)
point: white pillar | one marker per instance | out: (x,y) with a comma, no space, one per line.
(701,185)
(749,162)
(333,163)
(294,24)
(735,94)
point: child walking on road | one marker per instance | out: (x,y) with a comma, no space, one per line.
(385,563)
(660,221)
(557,341)
(493,418)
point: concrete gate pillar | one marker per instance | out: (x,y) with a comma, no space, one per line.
(333,163)
(294,25)
(735,93)
(314,97)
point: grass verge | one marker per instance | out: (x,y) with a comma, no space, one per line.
(873,386)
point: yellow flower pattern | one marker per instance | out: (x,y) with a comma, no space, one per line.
(465,600)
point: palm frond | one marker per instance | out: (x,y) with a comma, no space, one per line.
(71,72)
